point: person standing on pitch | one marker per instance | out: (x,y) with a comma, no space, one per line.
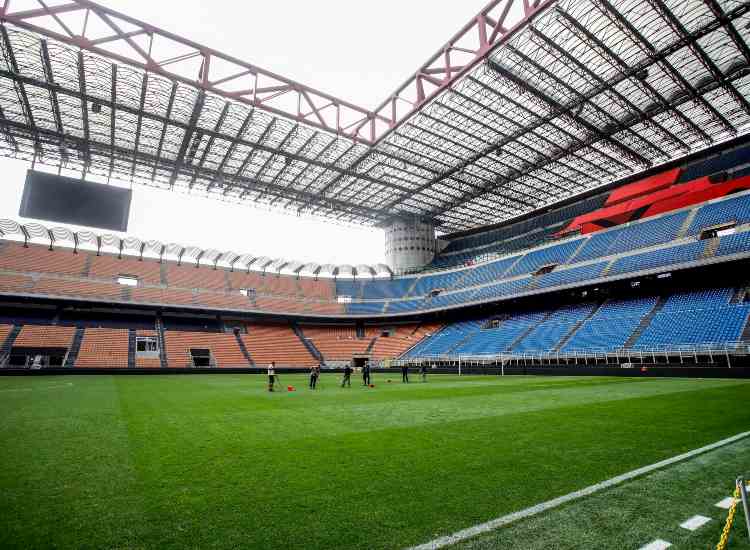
(423,372)
(347,380)
(366,374)
(404,374)
(271,375)
(314,373)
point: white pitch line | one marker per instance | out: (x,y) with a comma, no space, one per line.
(470,532)
(68,385)
(695,522)
(658,544)
(725,503)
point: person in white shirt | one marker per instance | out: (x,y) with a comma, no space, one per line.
(271,375)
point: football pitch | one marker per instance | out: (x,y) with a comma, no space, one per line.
(215,461)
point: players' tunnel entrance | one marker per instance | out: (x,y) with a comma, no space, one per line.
(200,357)
(37,358)
(359,362)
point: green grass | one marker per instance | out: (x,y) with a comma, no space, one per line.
(214,461)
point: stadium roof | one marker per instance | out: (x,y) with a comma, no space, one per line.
(532,102)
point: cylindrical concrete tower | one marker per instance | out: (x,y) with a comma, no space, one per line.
(409,244)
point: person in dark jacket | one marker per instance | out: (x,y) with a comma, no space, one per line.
(423,372)
(366,374)
(347,380)
(404,374)
(314,374)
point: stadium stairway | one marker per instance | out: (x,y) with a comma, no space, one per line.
(739,295)
(87,265)
(608,267)
(528,331)
(683,231)
(243,349)
(411,287)
(645,322)
(159,326)
(571,258)
(8,342)
(314,351)
(371,345)
(131,348)
(712,245)
(75,347)
(422,340)
(468,336)
(576,326)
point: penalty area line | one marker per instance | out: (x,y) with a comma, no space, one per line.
(496,523)
(68,385)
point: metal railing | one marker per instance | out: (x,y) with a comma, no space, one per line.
(711,353)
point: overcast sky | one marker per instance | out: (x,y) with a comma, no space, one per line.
(358,51)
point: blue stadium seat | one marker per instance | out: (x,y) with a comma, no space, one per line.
(720,325)
(362,308)
(492,341)
(724,211)
(443,341)
(734,244)
(497,290)
(556,254)
(426,283)
(547,335)
(561,277)
(485,273)
(659,258)
(386,288)
(721,163)
(403,306)
(349,287)
(452,299)
(648,233)
(611,326)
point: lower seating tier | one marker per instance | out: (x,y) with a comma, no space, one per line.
(705,317)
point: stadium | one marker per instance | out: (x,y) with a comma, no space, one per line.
(554,352)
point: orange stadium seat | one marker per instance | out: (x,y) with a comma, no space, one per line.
(324,308)
(320,289)
(63,275)
(278,343)
(336,343)
(225,350)
(44,336)
(242,279)
(39,259)
(103,348)
(222,300)
(190,276)
(107,266)
(162,296)
(16,283)
(78,287)
(267,303)
(280,285)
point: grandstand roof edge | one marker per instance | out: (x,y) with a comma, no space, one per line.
(740,140)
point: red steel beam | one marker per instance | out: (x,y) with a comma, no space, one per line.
(257,86)
(252,85)
(496,23)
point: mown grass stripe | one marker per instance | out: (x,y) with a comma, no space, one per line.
(496,523)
